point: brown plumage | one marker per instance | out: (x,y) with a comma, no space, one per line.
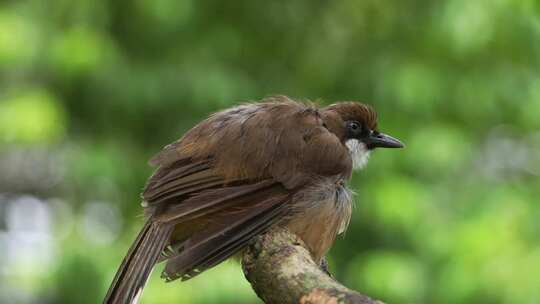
(238,173)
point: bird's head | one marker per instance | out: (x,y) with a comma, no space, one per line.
(356,125)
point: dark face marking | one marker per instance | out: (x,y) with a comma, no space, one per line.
(361,124)
(371,138)
(356,130)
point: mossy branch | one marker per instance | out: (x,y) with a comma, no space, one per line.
(281,270)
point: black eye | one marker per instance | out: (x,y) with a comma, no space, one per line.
(354,128)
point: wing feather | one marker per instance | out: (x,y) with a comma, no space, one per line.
(229,231)
(214,200)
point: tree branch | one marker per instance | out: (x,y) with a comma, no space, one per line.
(281,270)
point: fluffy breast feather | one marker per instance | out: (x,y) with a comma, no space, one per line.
(323,211)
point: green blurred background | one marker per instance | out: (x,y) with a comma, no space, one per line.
(89,90)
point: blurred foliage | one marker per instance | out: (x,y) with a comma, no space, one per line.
(89,90)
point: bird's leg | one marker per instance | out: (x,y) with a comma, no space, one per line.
(324,267)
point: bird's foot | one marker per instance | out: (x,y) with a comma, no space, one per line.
(324,267)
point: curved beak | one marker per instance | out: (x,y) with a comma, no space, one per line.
(380,140)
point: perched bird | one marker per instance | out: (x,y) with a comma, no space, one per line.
(240,172)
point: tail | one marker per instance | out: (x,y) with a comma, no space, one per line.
(137,265)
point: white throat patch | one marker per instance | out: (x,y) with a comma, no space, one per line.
(359,153)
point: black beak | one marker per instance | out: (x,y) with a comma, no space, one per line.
(380,140)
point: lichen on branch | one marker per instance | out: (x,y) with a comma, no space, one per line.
(281,270)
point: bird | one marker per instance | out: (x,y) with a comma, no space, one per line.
(240,172)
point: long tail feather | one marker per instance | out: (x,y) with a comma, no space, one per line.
(138,264)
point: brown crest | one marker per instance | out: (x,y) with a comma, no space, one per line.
(350,110)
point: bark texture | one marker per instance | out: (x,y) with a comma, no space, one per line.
(281,270)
